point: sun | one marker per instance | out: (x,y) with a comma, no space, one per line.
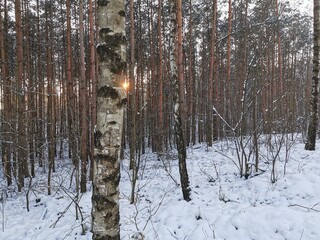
(125,85)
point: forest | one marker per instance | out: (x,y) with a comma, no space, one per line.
(200,83)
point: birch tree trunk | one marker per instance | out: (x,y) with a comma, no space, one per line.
(93,84)
(83,106)
(177,107)
(110,102)
(312,129)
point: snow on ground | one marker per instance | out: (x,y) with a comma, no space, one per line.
(223,206)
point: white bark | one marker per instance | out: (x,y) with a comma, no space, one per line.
(108,131)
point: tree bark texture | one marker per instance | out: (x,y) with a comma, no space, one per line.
(132,105)
(83,106)
(6,135)
(313,120)
(93,83)
(108,132)
(211,88)
(22,143)
(177,107)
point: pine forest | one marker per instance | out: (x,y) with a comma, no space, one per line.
(159,119)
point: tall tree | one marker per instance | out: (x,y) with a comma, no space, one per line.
(211,86)
(40,90)
(132,102)
(93,83)
(313,119)
(83,106)
(50,94)
(22,143)
(6,150)
(110,105)
(228,79)
(181,147)
(180,66)
(70,87)
(160,123)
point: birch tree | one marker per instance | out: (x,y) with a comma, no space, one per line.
(108,132)
(312,128)
(181,147)
(83,105)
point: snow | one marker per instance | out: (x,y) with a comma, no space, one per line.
(304,6)
(223,205)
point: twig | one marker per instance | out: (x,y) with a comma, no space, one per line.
(171,233)
(53,225)
(210,178)
(168,172)
(308,208)
(301,234)
(154,210)
(43,216)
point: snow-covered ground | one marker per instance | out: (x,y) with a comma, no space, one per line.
(223,206)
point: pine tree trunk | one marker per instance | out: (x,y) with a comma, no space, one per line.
(50,94)
(228,80)
(160,62)
(40,120)
(6,150)
(313,120)
(30,93)
(209,123)
(22,143)
(132,105)
(70,88)
(108,132)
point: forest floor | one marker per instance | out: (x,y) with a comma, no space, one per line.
(223,205)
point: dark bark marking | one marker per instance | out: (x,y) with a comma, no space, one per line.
(102,202)
(97,237)
(97,136)
(106,92)
(122,13)
(111,177)
(112,40)
(102,3)
(106,53)
(122,102)
(108,158)
(102,52)
(109,218)
(109,215)
(104,32)
(118,66)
